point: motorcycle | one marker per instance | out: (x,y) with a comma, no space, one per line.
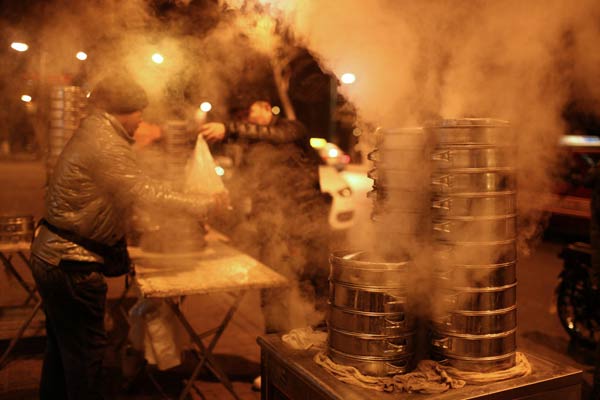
(577,299)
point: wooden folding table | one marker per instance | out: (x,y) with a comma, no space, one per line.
(219,268)
(17,320)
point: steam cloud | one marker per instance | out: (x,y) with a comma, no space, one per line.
(515,60)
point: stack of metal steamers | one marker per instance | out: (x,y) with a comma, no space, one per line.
(474,227)
(444,214)
(68,105)
(372,324)
(164,232)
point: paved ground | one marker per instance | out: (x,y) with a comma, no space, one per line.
(22,182)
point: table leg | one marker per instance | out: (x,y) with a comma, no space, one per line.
(8,264)
(19,334)
(206,352)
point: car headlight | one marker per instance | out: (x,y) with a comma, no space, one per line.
(345,192)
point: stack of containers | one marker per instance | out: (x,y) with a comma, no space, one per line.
(370,326)
(401,191)
(16,228)
(177,146)
(67,108)
(474,234)
(371,322)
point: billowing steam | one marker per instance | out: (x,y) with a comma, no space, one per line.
(415,60)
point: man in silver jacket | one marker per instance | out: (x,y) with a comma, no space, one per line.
(90,195)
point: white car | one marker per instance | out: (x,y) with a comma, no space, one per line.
(342,214)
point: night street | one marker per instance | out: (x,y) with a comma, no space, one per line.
(539,329)
(299,200)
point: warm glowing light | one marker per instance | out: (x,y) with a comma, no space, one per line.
(26,98)
(158,58)
(579,140)
(88,94)
(81,56)
(333,153)
(220,171)
(206,106)
(317,143)
(348,78)
(275,110)
(18,46)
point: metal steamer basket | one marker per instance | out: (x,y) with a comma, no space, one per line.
(369,323)
(482,353)
(177,146)
(67,108)
(474,229)
(16,228)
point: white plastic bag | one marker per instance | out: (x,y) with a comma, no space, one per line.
(154,330)
(201,174)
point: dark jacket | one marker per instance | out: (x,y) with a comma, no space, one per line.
(95,184)
(280,173)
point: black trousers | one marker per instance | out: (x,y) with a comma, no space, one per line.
(74,305)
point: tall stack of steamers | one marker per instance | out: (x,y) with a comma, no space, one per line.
(67,108)
(444,214)
(474,227)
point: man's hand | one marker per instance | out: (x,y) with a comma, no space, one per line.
(213,132)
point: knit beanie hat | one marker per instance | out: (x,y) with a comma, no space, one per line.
(119,94)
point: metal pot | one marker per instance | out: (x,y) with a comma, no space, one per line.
(474,204)
(368,299)
(412,180)
(399,159)
(66,92)
(398,201)
(477,322)
(66,115)
(469,180)
(402,222)
(360,268)
(403,138)
(473,156)
(64,123)
(465,345)
(478,364)
(486,228)
(374,366)
(66,105)
(371,345)
(17,228)
(478,275)
(470,131)
(478,299)
(390,324)
(475,253)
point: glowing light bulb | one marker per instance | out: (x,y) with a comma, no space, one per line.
(206,106)
(348,78)
(275,110)
(220,171)
(333,153)
(26,98)
(81,56)
(18,46)
(158,58)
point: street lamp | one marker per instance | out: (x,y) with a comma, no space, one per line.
(81,56)
(158,58)
(348,78)
(18,46)
(205,106)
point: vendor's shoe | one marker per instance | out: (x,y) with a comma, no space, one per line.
(256,384)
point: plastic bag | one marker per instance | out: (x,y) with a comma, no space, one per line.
(201,175)
(155,331)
